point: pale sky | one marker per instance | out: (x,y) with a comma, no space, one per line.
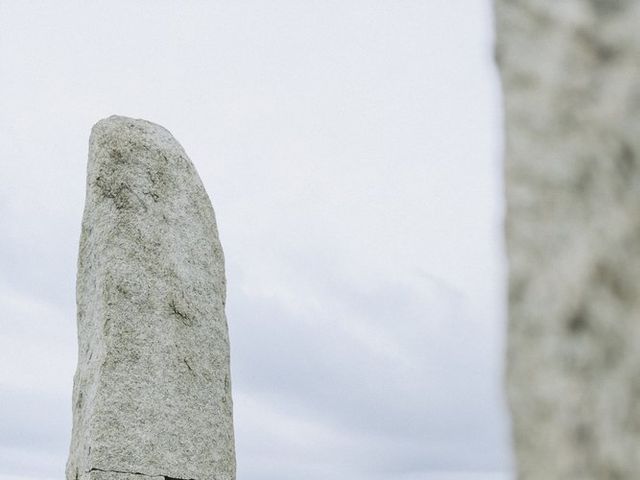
(351,150)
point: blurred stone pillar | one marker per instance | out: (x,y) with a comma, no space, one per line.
(571,79)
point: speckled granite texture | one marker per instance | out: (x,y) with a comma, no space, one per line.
(152,395)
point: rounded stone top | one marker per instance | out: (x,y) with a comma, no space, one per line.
(120,131)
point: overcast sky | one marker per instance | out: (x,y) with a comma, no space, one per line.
(352,153)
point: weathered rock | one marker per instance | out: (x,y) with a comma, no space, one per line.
(152,392)
(571,78)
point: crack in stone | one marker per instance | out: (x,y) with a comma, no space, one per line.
(135,473)
(187,364)
(184,317)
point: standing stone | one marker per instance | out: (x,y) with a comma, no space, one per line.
(152,395)
(571,77)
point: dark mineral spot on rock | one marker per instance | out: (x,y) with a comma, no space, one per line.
(578,323)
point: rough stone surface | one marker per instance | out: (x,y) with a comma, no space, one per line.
(571,79)
(152,395)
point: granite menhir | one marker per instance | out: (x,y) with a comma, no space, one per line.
(152,393)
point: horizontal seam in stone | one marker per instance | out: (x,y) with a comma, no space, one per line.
(134,473)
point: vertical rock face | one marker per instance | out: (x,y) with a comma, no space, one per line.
(152,393)
(571,78)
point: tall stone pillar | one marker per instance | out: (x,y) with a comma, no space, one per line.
(152,395)
(571,78)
